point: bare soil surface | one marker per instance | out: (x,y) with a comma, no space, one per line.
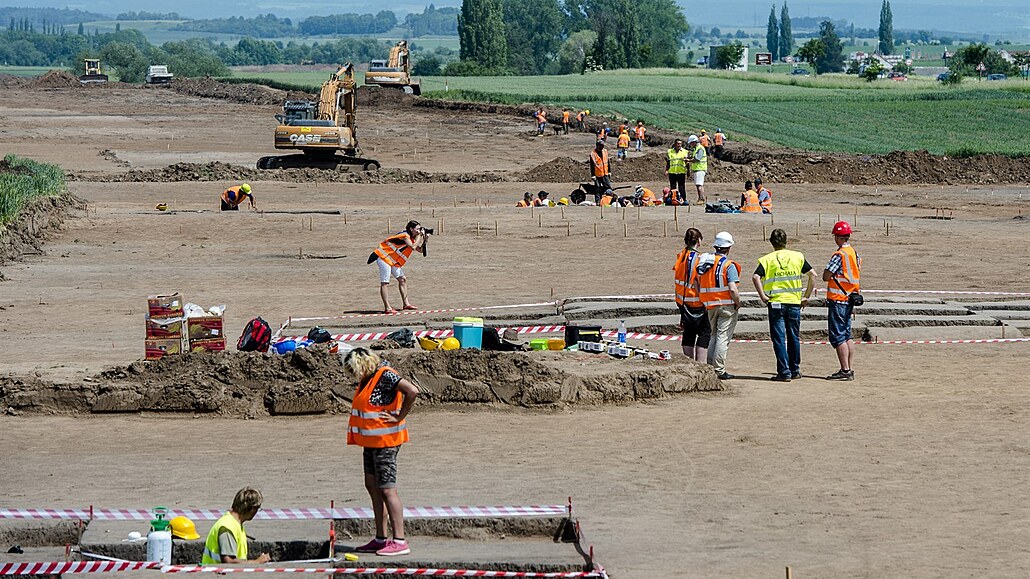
(916,469)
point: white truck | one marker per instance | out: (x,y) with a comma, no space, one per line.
(158,74)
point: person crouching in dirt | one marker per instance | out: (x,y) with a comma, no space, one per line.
(234,196)
(390,257)
(381,402)
(526,201)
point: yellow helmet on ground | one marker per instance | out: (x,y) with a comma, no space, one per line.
(450,344)
(563,201)
(429,343)
(162,207)
(183,528)
(245,188)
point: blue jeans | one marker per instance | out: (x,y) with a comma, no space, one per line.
(785,333)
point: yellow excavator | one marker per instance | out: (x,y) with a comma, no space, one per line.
(395,72)
(319,129)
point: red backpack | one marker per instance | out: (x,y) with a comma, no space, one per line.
(256,336)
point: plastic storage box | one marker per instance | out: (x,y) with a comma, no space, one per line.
(469,332)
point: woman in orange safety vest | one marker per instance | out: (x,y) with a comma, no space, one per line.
(638,132)
(693,316)
(382,400)
(391,255)
(703,139)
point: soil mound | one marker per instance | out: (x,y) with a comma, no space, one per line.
(39,221)
(246,93)
(55,79)
(218,171)
(12,81)
(568,170)
(313,381)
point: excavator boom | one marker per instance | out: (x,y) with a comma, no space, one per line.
(395,72)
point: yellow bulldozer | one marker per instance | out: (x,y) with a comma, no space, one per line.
(92,72)
(319,129)
(395,72)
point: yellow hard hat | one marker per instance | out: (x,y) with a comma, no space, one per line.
(183,528)
(563,201)
(162,207)
(450,344)
(587,111)
(245,187)
(429,343)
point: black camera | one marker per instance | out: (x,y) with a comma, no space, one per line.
(428,230)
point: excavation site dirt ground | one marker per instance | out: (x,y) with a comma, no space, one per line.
(918,468)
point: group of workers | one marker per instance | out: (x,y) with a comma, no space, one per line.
(708,296)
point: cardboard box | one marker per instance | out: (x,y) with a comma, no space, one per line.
(210,345)
(164,328)
(157,349)
(169,306)
(204,327)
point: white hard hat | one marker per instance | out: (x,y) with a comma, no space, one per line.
(723,239)
(692,139)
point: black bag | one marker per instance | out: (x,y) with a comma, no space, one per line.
(576,334)
(319,335)
(492,341)
(404,337)
(256,336)
(855,299)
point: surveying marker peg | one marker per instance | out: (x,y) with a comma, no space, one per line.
(568,229)
(665,229)
(595,230)
(388,228)
(495,228)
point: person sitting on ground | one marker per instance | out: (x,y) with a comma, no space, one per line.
(227,540)
(646,197)
(526,201)
(670,196)
(749,199)
(234,196)
(541,200)
(764,196)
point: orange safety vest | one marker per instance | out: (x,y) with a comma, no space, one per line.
(639,132)
(751,202)
(365,427)
(719,139)
(649,198)
(600,163)
(622,128)
(236,196)
(767,202)
(849,277)
(580,116)
(624,140)
(522,203)
(603,134)
(704,140)
(714,285)
(565,117)
(541,117)
(606,200)
(394,251)
(685,273)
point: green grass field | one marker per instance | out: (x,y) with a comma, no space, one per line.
(25,70)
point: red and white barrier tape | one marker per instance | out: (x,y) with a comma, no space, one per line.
(60,567)
(372,336)
(379,571)
(289,514)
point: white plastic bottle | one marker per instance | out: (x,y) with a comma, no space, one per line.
(159,540)
(622,332)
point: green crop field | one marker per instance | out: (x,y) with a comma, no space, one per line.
(25,70)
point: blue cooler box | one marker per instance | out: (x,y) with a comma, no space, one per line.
(469,332)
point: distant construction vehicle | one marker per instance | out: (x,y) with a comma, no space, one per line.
(395,72)
(158,74)
(92,72)
(319,129)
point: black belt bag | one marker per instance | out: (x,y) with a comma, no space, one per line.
(855,299)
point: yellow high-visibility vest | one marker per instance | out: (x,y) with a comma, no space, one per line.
(212,555)
(782,279)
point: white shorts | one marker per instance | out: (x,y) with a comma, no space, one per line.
(385,271)
(699,177)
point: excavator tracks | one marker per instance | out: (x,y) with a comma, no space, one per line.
(302,161)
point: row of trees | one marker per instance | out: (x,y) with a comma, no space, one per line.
(271,26)
(779,39)
(549,36)
(439,22)
(143,15)
(348,24)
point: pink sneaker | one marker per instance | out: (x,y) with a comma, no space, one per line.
(372,546)
(393,548)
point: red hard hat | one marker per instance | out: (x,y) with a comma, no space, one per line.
(842,228)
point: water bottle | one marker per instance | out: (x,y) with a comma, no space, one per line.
(622,332)
(159,540)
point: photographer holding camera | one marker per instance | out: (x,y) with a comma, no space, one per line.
(390,257)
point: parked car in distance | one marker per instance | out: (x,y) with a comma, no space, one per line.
(897,76)
(943,76)
(703,61)
(799,72)
(997,76)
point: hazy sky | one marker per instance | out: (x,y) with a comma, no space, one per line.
(1010,17)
